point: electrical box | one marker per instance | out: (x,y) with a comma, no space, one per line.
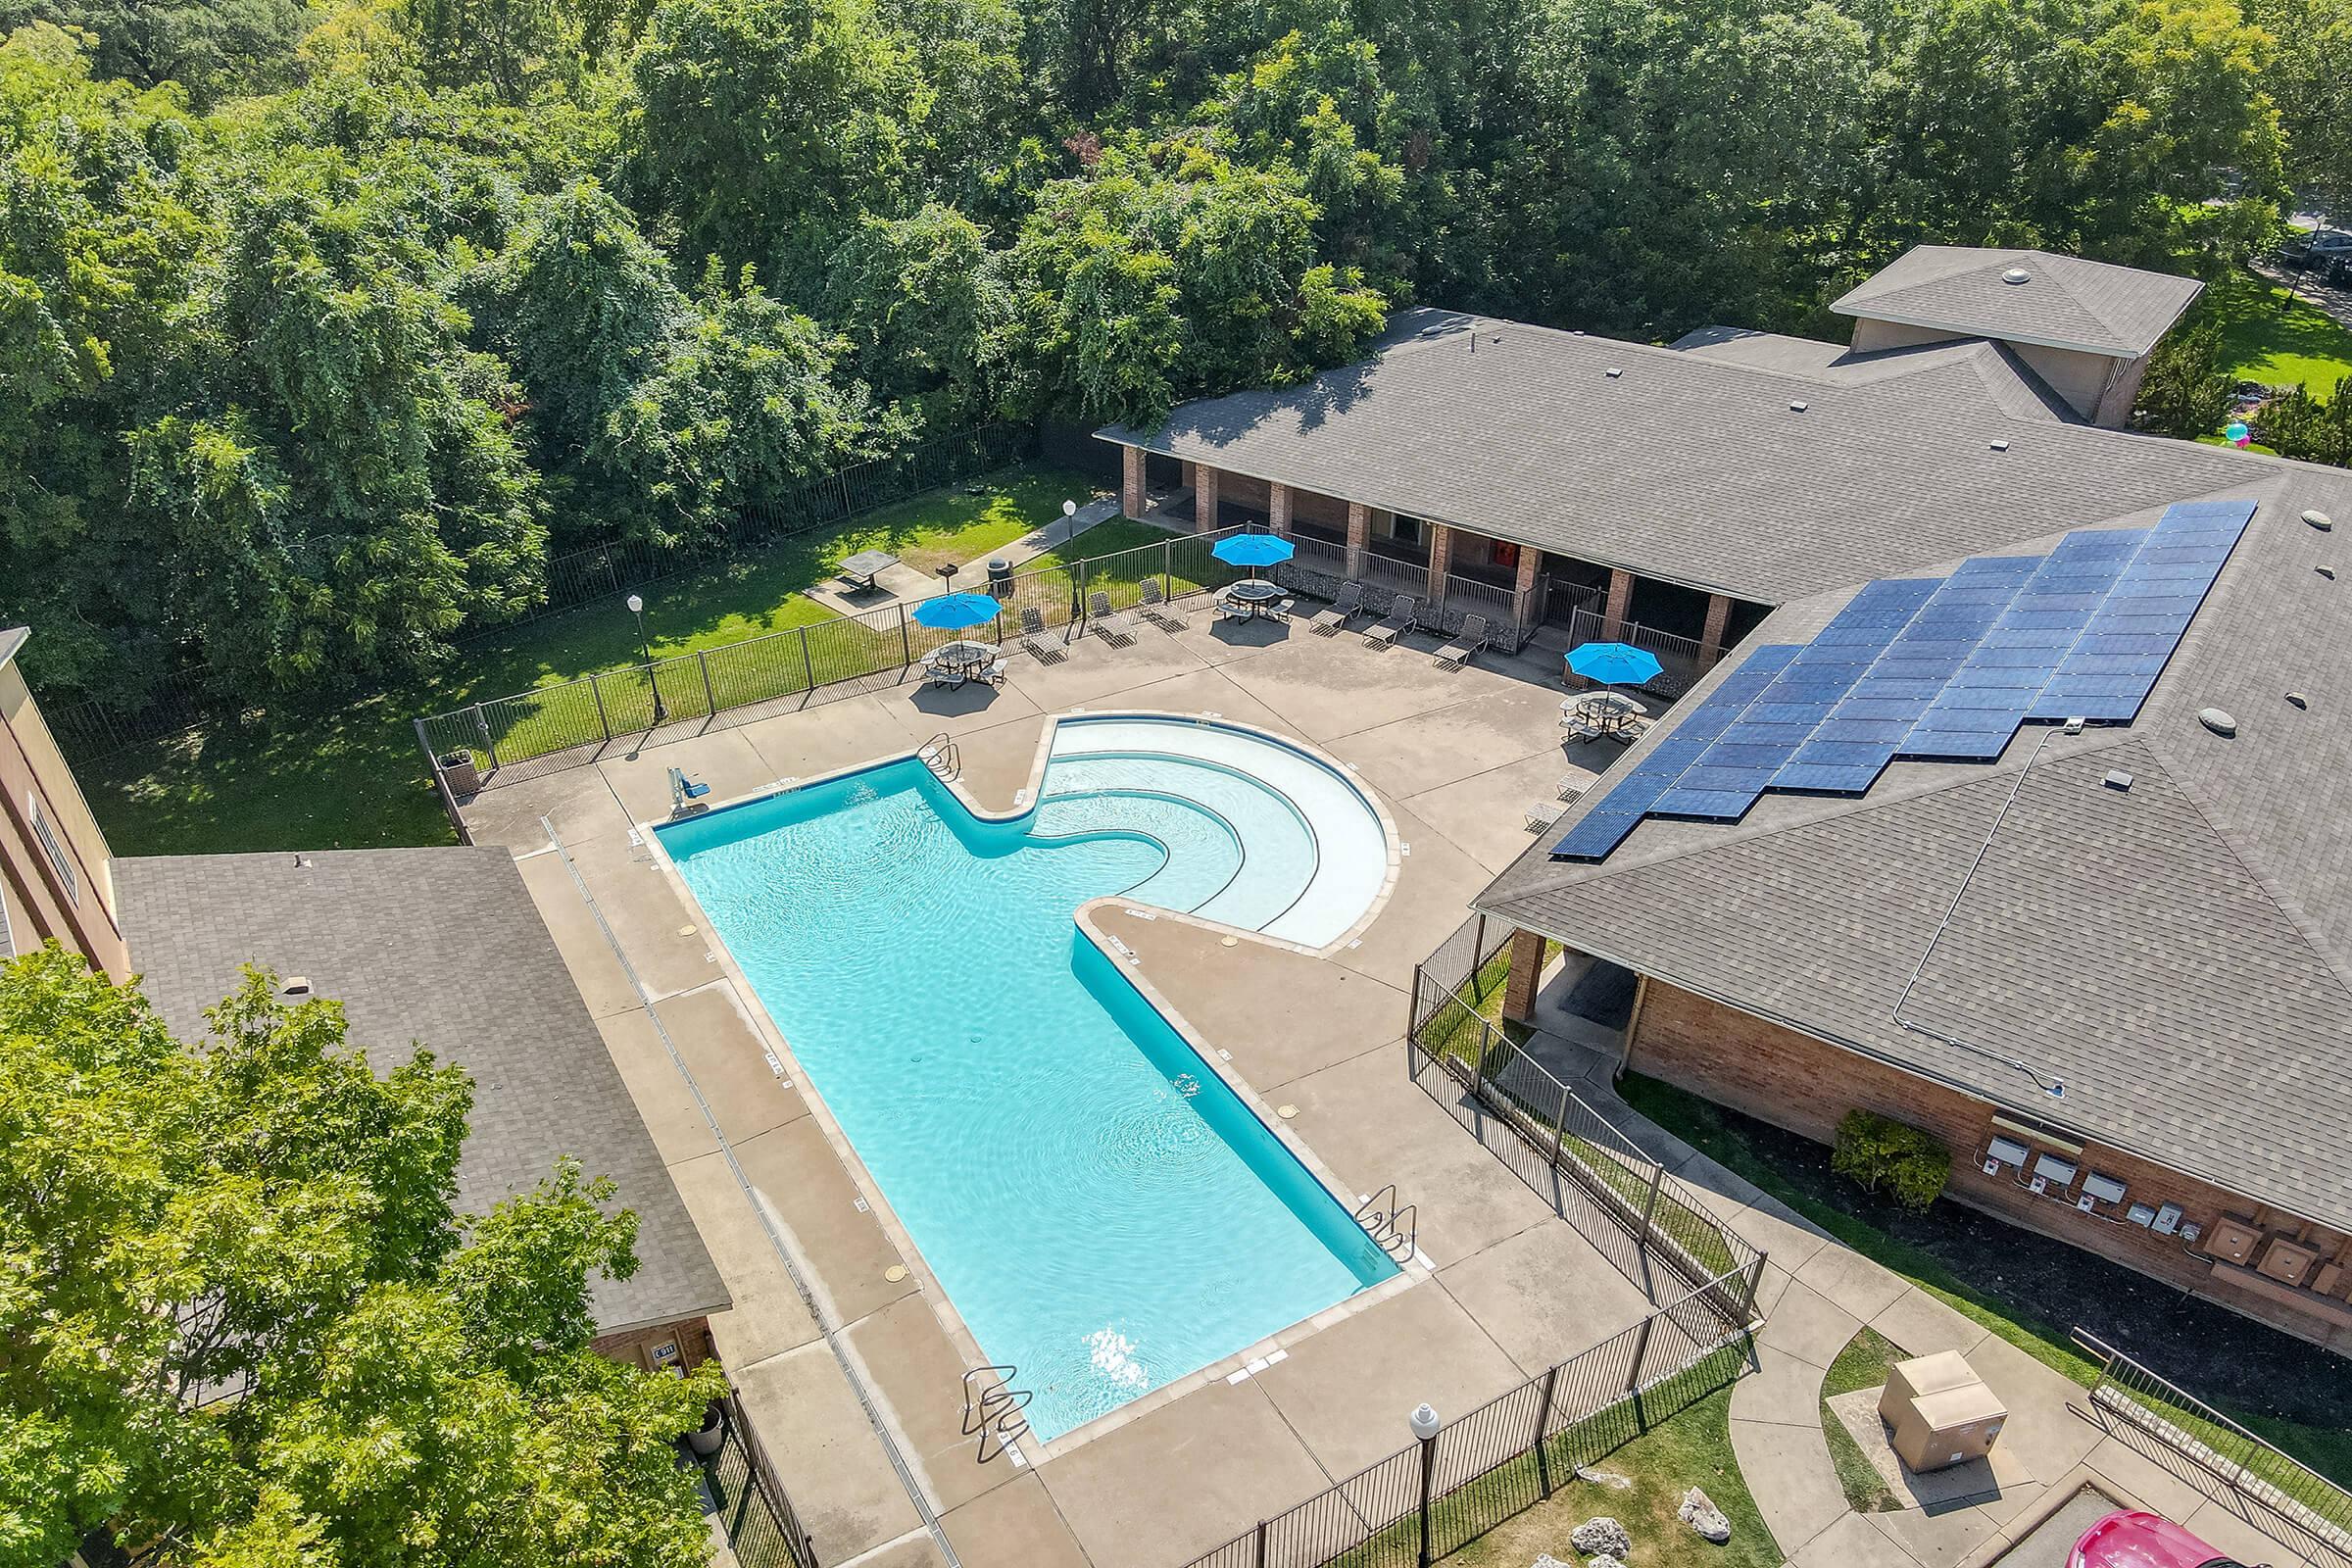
(2167,1219)
(1940,1411)
(2106,1189)
(2327,1278)
(2005,1152)
(2233,1240)
(2287,1261)
(2141,1214)
(2050,1171)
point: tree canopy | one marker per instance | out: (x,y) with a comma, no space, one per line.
(325,324)
(245,1326)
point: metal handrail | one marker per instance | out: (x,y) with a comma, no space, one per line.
(995,1413)
(939,754)
(1395,1230)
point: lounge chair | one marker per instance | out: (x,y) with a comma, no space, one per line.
(1114,625)
(1035,639)
(1400,618)
(1154,608)
(1545,814)
(1339,612)
(1466,643)
(1572,787)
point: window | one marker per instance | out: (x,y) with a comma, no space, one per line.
(1406,530)
(42,829)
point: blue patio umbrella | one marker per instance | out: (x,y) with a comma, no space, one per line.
(1252,550)
(955,612)
(1613,664)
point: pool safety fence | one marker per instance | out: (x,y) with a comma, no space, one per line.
(2286,1500)
(1626,1204)
(761,1527)
(94,728)
(1432,1498)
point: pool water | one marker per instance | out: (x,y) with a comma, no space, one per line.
(1101,1209)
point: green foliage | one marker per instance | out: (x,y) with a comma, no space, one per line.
(2302,424)
(1880,1152)
(242,1326)
(215,49)
(2185,392)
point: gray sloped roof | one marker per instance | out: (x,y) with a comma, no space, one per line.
(2174,954)
(1685,466)
(442,947)
(2064,302)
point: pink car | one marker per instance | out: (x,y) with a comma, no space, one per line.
(2130,1539)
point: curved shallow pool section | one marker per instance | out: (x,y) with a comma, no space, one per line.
(1103,1211)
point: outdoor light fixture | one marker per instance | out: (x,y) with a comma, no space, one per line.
(1423,1421)
(1069,509)
(646,647)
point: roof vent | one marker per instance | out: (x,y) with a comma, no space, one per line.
(2118,780)
(2298,699)
(2016,274)
(2218,722)
(2327,573)
(1613,371)
(2000,446)
(1796,405)
(2074,724)
(2319,519)
(295,984)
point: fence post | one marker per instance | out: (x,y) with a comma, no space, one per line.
(1261,1544)
(1542,1420)
(1478,949)
(905,643)
(1413,1012)
(1649,1206)
(1560,1130)
(1747,1297)
(1168,571)
(1633,1378)
(1429,1471)
(808,665)
(488,744)
(603,722)
(1478,1065)
(710,697)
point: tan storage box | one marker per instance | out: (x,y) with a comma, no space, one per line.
(2287,1261)
(1940,1411)
(2232,1240)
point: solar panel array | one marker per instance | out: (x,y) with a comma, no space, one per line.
(1932,669)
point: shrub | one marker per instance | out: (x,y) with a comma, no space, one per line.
(1906,1162)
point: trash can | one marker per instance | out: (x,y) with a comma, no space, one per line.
(1940,1411)
(458,769)
(999,578)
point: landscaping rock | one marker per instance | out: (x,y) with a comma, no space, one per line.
(1699,1512)
(1547,1560)
(1610,1478)
(1602,1562)
(1603,1536)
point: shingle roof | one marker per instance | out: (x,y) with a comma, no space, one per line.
(442,946)
(2175,954)
(2061,301)
(1687,467)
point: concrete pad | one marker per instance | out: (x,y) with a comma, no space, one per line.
(577,802)
(1282,1015)
(1769,1290)
(1795,1486)
(1000,761)
(1852,1541)
(916,1550)
(1782,1391)
(1205,691)
(1922,1325)
(1544,1294)
(808,1192)
(2220,1526)
(907,1359)
(2164,1481)
(1372,1125)
(1434,884)
(1809,1326)
(1861,1287)
(1935,1538)
(1014,1525)
(923,710)
(1345,1389)
(1486,814)
(1975,1482)
(603,985)
(1091,669)
(810,1422)
(1336,686)
(715,1038)
(1185,1479)
(1754,1216)
(665,1101)
(768,1315)
(1216,642)
(825,737)
(722,759)
(2044,1431)
(1489,722)
(666,941)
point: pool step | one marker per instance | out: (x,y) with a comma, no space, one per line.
(1394,1230)
(940,755)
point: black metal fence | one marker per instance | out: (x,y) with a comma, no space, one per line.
(1505,1456)
(757,1515)
(92,729)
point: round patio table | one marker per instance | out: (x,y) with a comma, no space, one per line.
(1251,593)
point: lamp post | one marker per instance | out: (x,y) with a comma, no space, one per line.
(645,646)
(1425,1423)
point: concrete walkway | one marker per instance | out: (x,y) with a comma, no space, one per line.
(1819,1293)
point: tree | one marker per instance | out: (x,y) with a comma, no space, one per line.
(2186,393)
(245,1325)
(215,49)
(924,301)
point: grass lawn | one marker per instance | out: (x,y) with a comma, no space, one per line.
(353,777)
(1693,1449)
(1863,1364)
(2267,337)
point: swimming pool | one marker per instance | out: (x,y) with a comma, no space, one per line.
(1101,1209)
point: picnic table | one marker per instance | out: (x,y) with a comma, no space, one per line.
(954,663)
(1253,596)
(865,566)
(1593,714)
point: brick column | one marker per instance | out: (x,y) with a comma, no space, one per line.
(1441,561)
(1710,641)
(1278,507)
(1522,591)
(1131,481)
(1527,973)
(1621,594)
(1204,495)
(1359,536)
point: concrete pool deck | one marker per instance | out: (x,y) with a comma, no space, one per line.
(1455,758)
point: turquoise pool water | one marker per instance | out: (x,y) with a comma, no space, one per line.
(1100,1208)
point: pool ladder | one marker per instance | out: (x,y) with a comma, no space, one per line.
(991,1408)
(1395,1230)
(940,755)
